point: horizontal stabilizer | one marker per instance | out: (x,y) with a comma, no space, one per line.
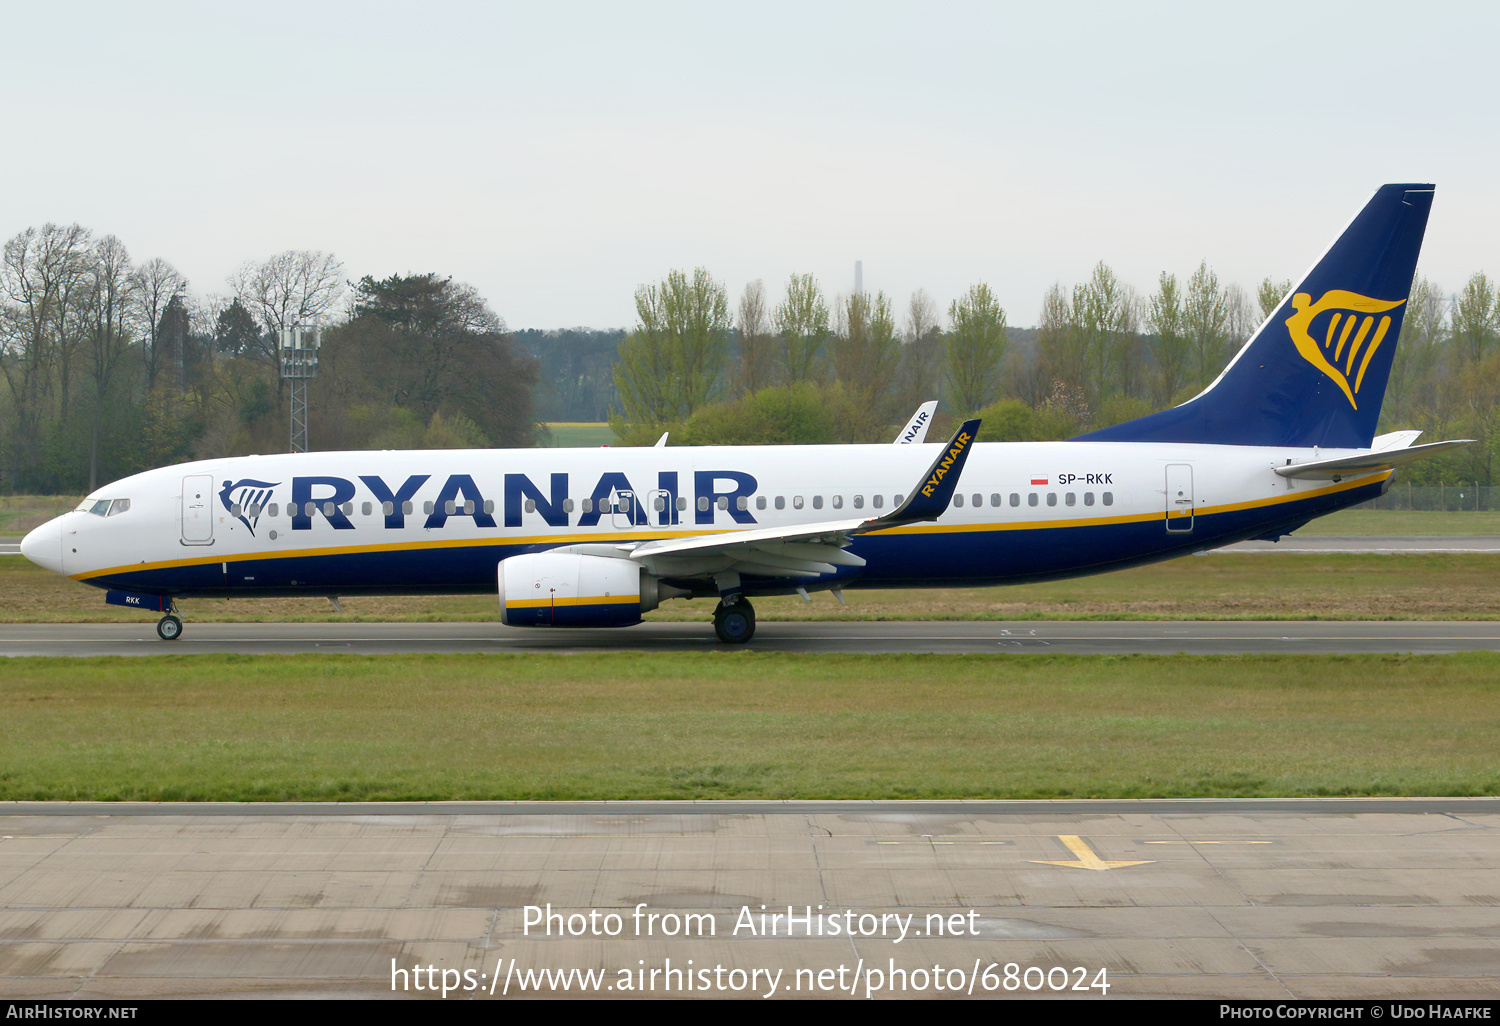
(1386,459)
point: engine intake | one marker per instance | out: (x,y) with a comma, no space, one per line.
(567,589)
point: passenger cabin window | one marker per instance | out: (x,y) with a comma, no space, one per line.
(1088,498)
(1109,498)
(1052,498)
(817,502)
(796,502)
(878,501)
(781,502)
(958,500)
(838,502)
(1031,499)
(760,502)
(859,502)
(1015,498)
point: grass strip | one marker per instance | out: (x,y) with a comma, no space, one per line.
(1441,586)
(747,725)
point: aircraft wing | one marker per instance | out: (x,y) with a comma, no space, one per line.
(808,550)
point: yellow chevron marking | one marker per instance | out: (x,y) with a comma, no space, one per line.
(1086,857)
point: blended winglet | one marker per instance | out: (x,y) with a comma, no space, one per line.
(934,491)
(915,431)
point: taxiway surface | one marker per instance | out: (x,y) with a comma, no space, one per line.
(1215,899)
(1197,637)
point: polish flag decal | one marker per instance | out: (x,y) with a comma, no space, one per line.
(1039,480)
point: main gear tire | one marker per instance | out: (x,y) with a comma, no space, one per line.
(735,624)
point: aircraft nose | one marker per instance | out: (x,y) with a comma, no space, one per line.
(44,546)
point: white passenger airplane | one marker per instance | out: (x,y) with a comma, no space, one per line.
(596,538)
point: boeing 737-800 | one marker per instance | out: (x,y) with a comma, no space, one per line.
(596,538)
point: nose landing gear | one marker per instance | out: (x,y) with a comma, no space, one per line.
(169,628)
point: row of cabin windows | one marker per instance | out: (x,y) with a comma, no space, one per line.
(622,504)
(1034,499)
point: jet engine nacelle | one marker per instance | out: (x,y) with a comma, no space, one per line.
(566,589)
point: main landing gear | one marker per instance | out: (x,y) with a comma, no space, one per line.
(735,623)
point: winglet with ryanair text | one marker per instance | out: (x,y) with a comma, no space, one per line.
(935,490)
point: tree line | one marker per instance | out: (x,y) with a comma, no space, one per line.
(795,367)
(113,367)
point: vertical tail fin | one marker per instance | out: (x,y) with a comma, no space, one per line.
(1315,372)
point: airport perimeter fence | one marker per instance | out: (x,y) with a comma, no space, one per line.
(1469,495)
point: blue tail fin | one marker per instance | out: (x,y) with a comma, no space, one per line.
(1315,372)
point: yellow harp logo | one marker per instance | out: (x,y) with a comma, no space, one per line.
(1345,339)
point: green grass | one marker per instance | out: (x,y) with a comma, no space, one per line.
(580,435)
(1460,586)
(1372,522)
(746,725)
(20,513)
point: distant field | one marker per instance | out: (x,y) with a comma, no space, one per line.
(746,725)
(1371,522)
(20,513)
(580,435)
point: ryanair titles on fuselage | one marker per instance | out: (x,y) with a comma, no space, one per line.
(613,494)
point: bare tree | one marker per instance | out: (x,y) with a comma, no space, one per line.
(157,283)
(757,365)
(866,355)
(294,288)
(112,316)
(43,270)
(921,352)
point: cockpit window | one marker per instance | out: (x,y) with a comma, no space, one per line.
(106,507)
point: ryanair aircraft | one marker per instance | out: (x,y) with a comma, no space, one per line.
(596,538)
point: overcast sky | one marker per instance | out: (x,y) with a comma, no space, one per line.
(558,155)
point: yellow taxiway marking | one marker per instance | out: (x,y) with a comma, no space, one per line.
(1086,857)
(1209,842)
